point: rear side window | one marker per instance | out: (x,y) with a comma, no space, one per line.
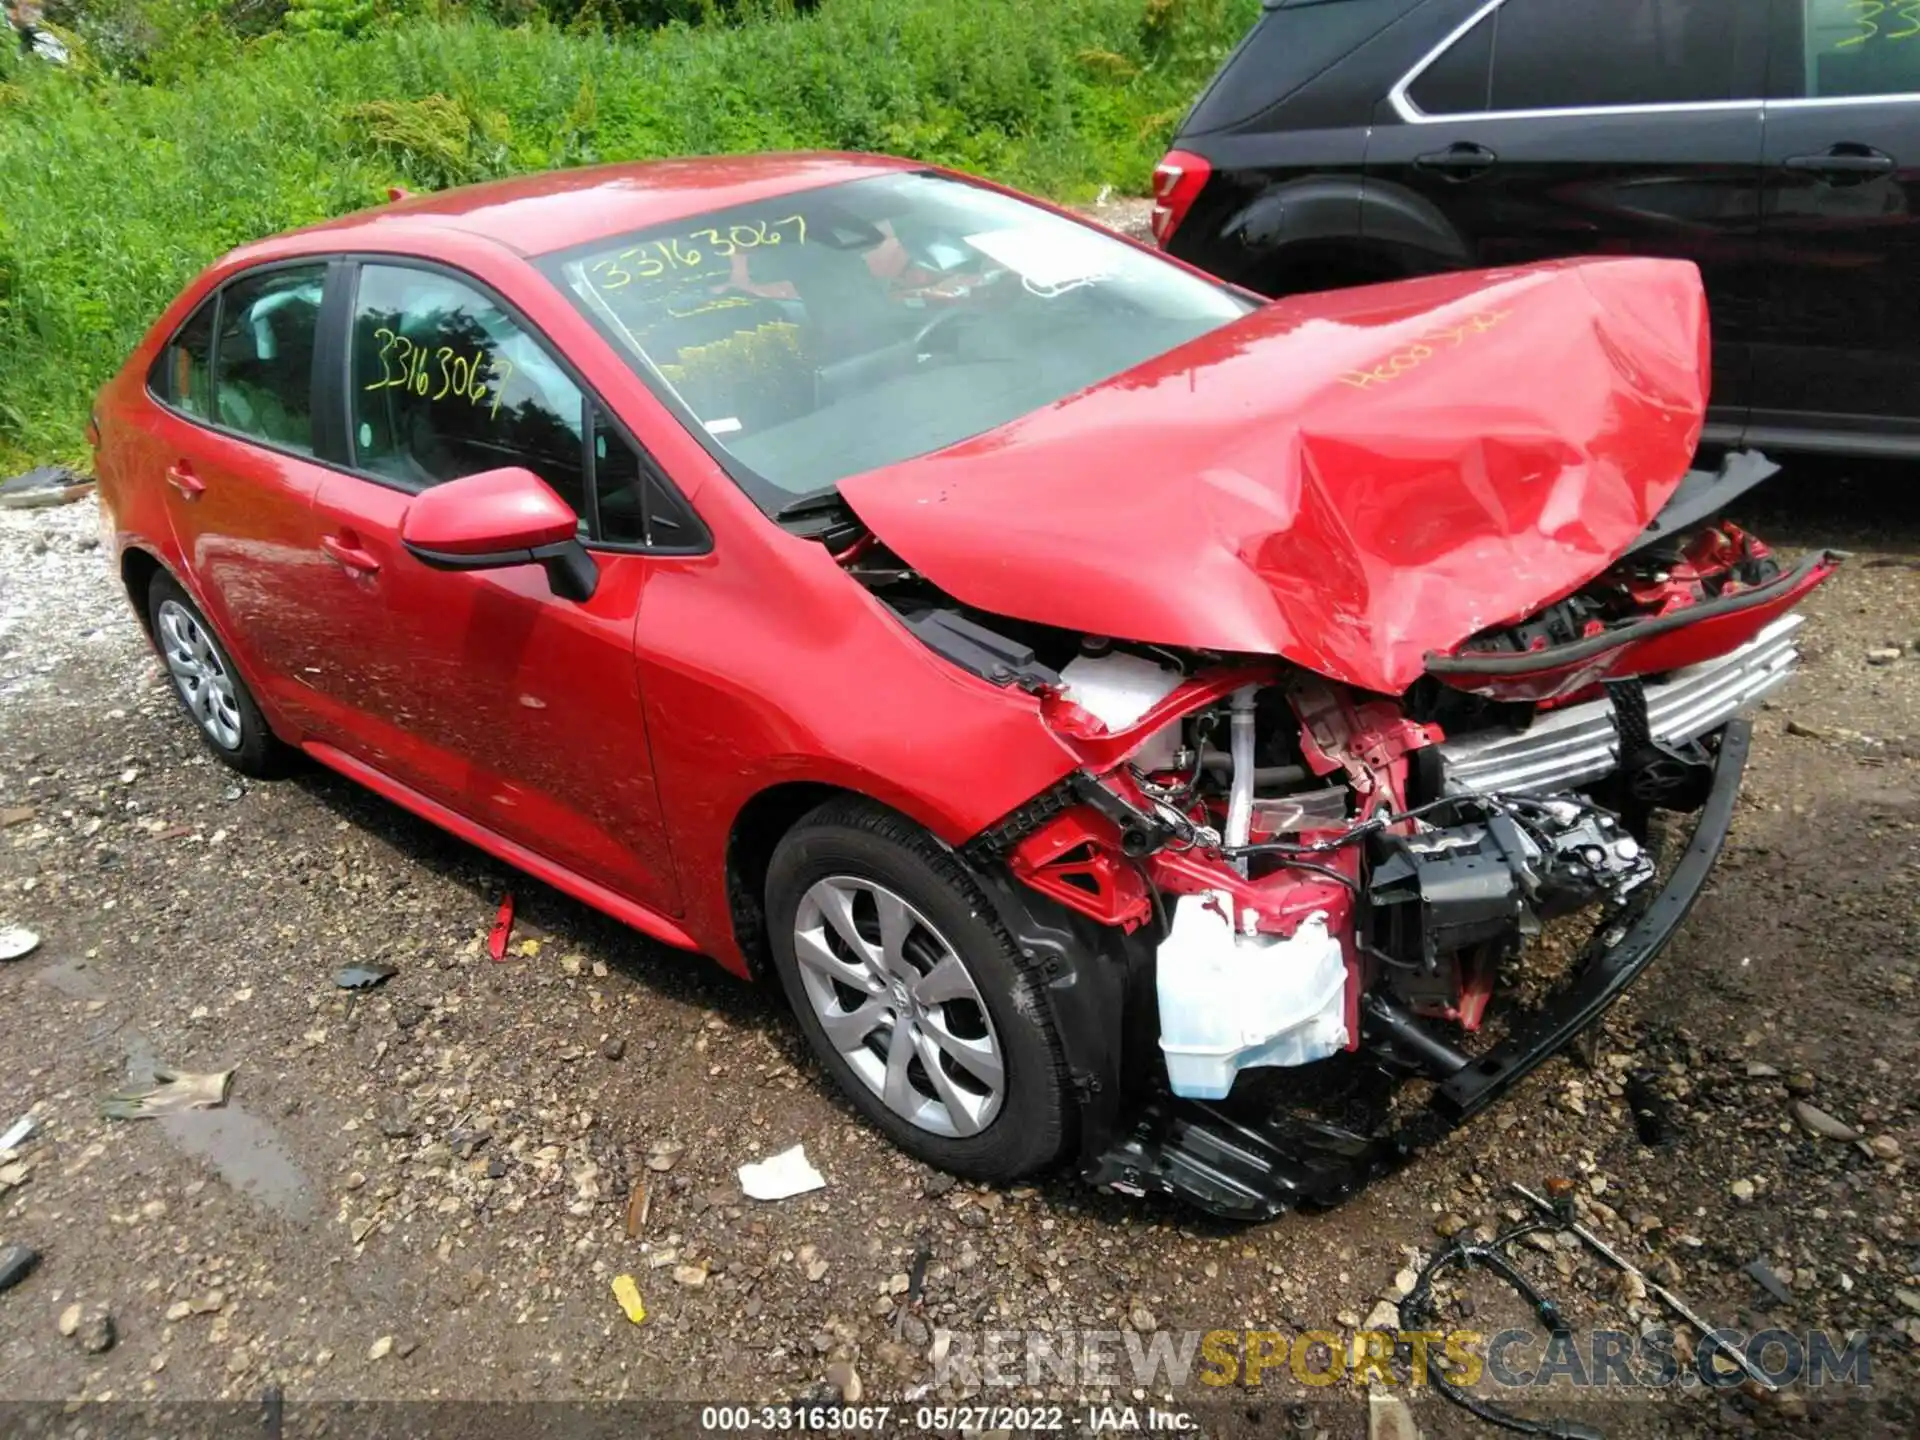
(1460,82)
(182,374)
(1289,46)
(1849,48)
(1575,54)
(446,384)
(263,356)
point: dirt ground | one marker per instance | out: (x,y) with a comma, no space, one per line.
(420,1191)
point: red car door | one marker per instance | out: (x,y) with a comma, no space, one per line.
(233,440)
(482,690)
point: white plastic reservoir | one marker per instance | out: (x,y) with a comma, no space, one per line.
(1230,1001)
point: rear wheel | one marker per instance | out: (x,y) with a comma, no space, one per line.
(211,691)
(913,995)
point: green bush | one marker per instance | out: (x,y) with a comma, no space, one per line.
(113,193)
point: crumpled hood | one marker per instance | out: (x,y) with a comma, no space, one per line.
(1350,480)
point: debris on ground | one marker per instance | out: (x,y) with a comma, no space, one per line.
(662,1155)
(1652,1120)
(692,1275)
(88,1326)
(16,1262)
(628,1294)
(18,1133)
(171,1092)
(1819,1123)
(364,976)
(16,942)
(48,485)
(782,1176)
(502,931)
(917,1270)
(846,1381)
(1762,1275)
(1563,1215)
(13,1176)
(639,1203)
(1388,1417)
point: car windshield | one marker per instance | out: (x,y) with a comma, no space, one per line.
(833,331)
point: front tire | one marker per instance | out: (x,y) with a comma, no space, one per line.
(913,995)
(208,686)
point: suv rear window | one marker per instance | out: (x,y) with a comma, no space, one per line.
(1573,54)
(1289,46)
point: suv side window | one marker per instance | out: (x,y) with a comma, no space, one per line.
(263,356)
(1848,48)
(182,373)
(445,384)
(1575,54)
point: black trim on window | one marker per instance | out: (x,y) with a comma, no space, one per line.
(593,404)
(331,427)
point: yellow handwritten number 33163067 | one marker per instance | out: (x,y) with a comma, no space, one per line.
(1868,13)
(406,365)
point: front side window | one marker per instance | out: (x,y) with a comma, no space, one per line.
(446,384)
(182,373)
(263,356)
(1857,47)
(1575,54)
(833,331)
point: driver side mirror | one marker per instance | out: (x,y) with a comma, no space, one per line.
(497,519)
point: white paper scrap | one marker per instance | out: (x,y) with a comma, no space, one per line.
(782,1176)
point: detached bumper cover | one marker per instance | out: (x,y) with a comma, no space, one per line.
(1249,1169)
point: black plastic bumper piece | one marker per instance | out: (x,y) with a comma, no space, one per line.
(1246,1170)
(1613,962)
(1234,1169)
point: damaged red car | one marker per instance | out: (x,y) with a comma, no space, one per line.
(1131,721)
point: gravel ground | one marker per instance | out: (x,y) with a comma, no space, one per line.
(422,1190)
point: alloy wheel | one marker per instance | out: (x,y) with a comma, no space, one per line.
(898,1003)
(200,673)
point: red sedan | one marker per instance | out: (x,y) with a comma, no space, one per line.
(1078,682)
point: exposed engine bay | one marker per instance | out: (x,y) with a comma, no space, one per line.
(1323,871)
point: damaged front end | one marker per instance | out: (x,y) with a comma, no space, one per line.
(1265,899)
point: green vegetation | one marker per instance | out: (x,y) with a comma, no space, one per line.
(160,147)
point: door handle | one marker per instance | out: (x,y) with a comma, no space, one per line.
(349,556)
(185,481)
(1461,161)
(1845,159)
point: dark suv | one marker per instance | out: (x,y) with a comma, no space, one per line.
(1775,143)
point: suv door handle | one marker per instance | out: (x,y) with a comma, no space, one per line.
(1845,159)
(1461,161)
(182,478)
(345,550)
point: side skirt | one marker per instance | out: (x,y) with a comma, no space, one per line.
(647,922)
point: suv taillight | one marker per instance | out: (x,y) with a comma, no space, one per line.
(1177,182)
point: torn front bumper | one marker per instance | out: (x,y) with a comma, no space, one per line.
(1251,1168)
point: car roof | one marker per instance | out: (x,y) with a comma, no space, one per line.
(534,214)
